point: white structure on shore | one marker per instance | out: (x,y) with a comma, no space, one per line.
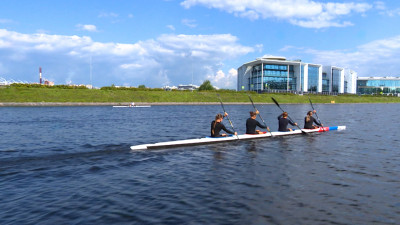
(378,85)
(275,73)
(182,87)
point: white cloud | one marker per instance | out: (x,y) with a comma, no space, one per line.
(286,48)
(304,13)
(130,66)
(259,47)
(169,59)
(189,23)
(112,17)
(171,27)
(377,58)
(87,27)
(380,5)
(108,15)
(222,80)
(383,10)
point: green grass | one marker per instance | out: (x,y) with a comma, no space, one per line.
(24,94)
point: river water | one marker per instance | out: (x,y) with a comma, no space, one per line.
(73,165)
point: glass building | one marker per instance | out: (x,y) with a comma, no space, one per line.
(335,80)
(278,77)
(274,73)
(325,82)
(313,77)
(378,85)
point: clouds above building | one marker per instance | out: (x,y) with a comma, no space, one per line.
(166,60)
(304,13)
(376,58)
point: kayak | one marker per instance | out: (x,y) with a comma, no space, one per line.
(127,106)
(210,140)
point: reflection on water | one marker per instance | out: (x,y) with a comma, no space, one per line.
(63,165)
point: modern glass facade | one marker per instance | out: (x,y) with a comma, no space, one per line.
(255,78)
(278,77)
(335,80)
(378,86)
(325,82)
(313,75)
(276,74)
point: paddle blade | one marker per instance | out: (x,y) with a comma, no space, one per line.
(312,106)
(275,102)
(251,100)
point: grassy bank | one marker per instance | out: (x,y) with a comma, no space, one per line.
(21,95)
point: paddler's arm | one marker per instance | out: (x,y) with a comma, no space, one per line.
(226,130)
(262,126)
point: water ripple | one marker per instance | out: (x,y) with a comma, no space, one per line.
(74,166)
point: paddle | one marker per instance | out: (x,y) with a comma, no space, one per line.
(223,108)
(277,104)
(259,114)
(312,106)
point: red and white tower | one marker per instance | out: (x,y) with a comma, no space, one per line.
(40,75)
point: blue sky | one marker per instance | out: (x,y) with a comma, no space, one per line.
(172,42)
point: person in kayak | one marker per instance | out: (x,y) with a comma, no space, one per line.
(252,123)
(284,121)
(217,126)
(309,121)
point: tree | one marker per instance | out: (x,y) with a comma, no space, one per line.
(206,86)
(142,86)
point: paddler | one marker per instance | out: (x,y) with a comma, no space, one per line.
(217,126)
(252,123)
(284,121)
(309,121)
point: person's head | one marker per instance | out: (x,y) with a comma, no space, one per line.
(284,114)
(309,113)
(218,117)
(253,114)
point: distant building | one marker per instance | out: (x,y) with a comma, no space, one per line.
(275,73)
(48,83)
(378,85)
(168,88)
(190,87)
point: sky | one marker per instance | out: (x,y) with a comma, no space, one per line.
(171,42)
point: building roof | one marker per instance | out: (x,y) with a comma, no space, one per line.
(378,78)
(271,57)
(280,60)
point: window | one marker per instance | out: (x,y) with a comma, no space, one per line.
(335,80)
(313,75)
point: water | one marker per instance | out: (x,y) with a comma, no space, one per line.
(73,165)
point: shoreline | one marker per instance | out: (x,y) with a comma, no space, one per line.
(21,104)
(51,104)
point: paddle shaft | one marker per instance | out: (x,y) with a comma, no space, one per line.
(277,104)
(312,106)
(227,116)
(259,115)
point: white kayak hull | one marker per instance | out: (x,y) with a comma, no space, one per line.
(127,106)
(209,140)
